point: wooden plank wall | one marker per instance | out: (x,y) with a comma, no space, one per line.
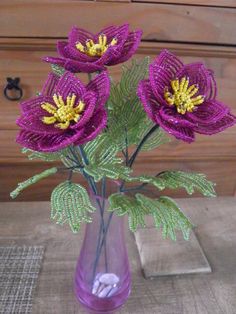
(29,31)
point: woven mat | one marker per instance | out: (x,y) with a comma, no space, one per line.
(19,270)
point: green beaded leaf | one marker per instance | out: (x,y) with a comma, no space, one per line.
(112,171)
(166,214)
(191,182)
(69,156)
(126,116)
(122,205)
(57,69)
(102,160)
(187,180)
(23,185)
(39,155)
(70,204)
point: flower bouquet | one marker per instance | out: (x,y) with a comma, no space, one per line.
(98,129)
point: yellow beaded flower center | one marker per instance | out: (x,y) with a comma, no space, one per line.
(182,94)
(63,113)
(96,49)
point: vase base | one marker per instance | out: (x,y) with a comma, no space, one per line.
(95,304)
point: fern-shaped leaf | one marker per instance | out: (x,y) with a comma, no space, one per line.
(113,171)
(191,182)
(23,185)
(167,215)
(102,161)
(70,204)
(187,180)
(69,156)
(125,112)
(122,205)
(54,156)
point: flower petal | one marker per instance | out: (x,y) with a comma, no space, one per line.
(50,84)
(215,127)
(34,103)
(87,67)
(208,112)
(70,84)
(101,86)
(48,143)
(129,48)
(32,122)
(94,127)
(185,134)
(162,71)
(198,74)
(55,60)
(70,52)
(89,98)
(118,32)
(148,99)
(79,35)
(170,115)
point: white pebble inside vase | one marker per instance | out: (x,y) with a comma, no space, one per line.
(105,285)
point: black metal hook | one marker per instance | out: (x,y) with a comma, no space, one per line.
(13,83)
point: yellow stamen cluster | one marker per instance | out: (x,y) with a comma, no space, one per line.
(96,49)
(182,95)
(63,113)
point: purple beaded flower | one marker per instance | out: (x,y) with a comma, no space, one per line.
(66,112)
(85,52)
(182,98)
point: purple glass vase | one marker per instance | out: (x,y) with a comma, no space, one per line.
(102,277)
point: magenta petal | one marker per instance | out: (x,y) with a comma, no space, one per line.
(215,127)
(70,52)
(34,103)
(87,67)
(118,32)
(94,127)
(73,53)
(57,142)
(89,98)
(69,84)
(113,52)
(162,71)
(101,86)
(29,139)
(170,115)
(55,60)
(130,47)
(198,74)
(79,35)
(50,84)
(61,49)
(33,123)
(208,112)
(148,99)
(185,134)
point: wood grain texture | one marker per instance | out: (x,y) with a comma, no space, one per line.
(159,21)
(208,3)
(167,258)
(29,224)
